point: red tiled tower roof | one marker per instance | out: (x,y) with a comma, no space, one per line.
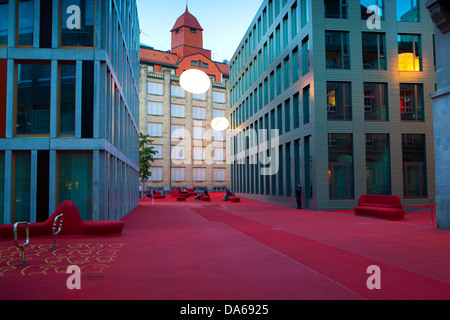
(187,20)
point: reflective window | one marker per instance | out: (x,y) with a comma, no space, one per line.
(337,9)
(340,161)
(77,23)
(339,102)
(378,170)
(33,99)
(414,166)
(4,22)
(22,186)
(376,102)
(366,13)
(374,56)
(25,23)
(337,50)
(67,77)
(2,184)
(411,102)
(75,181)
(409,52)
(408,10)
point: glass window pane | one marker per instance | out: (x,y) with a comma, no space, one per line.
(25,23)
(340,159)
(414,166)
(409,52)
(339,101)
(411,102)
(67,99)
(373,51)
(33,99)
(337,50)
(4,22)
(375,102)
(408,11)
(77,23)
(332,9)
(378,170)
(75,181)
(365,4)
(22,191)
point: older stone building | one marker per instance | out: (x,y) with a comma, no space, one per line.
(190,153)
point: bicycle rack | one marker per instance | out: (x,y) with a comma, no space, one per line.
(57,227)
(21,247)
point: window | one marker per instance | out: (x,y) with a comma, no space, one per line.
(201,96)
(378,164)
(374,57)
(337,50)
(218,113)
(177,132)
(336,9)
(33,99)
(408,10)
(4,12)
(306,105)
(219,135)
(155,88)
(2,184)
(77,28)
(414,166)
(154,108)
(219,174)
(219,154)
(366,4)
(177,92)
(411,102)
(157,174)
(177,111)
(25,23)
(199,154)
(287,77)
(159,152)
(305,56)
(178,153)
(218,97)
(178,174)
(155,130)
(304,12)
(339,105)
(199,174)
(376,102)
(67,77)
(340,162)
(22,186)
(75,181)
(198,113)
(294,20)
(199,133)
(295,66)
(409,52)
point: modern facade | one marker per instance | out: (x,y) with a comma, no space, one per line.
(69,92)
(189,152)
(346,90)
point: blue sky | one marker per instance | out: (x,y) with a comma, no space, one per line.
(225,22)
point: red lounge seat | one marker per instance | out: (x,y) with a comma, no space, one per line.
(205,198)
(233,198)
(380,206)
(191,192)
(175,193)
(72,225)
(158,195)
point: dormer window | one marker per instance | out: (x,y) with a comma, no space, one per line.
(193,30)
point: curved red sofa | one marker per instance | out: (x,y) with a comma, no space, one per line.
(380,206)
(72,225)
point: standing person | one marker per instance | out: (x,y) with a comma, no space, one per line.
(298,195)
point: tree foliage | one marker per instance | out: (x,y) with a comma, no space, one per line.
(146,156)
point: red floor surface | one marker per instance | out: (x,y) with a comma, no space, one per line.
(237,251)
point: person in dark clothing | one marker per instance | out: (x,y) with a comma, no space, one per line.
(298,195)
(227,195)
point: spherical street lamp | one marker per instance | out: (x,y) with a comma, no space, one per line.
(195,81)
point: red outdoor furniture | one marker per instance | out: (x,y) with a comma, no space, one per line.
(158,195)
(380,206)
(233,198)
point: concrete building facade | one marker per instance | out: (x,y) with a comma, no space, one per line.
(190,153)
(69,108)
(346,90)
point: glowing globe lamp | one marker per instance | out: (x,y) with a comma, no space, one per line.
(195,81)
(220,124)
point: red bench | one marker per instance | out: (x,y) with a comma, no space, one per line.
(380,206)
(158,195)
(205,198)
(233,198)
(73,225)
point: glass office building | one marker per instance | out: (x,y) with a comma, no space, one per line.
(334,94)
(69,108)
